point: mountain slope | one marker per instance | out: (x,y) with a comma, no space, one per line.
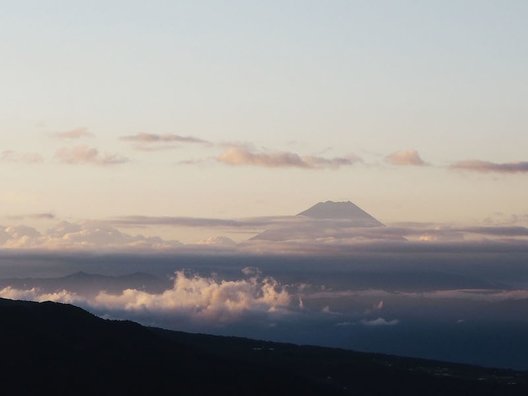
(51,348)
(346,211)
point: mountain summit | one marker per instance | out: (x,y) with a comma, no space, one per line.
(323,220)
(330,210)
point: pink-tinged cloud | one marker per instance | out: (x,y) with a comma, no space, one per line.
(149,138)
(491,167)
(242,156)
(77,133)
(27,158)
(82,154)
(405,158)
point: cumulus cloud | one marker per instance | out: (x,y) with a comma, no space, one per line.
(204,297)
(405,157)
(243,156)
(193,297)
(491,167)
(27,158)
(77,133)
(83,154)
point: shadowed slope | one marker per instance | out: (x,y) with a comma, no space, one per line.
(51,348)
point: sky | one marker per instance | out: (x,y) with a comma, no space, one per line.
(415,111)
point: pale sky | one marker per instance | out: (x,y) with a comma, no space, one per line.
(287,103)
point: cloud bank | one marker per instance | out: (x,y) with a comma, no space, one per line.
(85,236)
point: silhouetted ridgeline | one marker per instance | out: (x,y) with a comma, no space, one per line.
(51,348)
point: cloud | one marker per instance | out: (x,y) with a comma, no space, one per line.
(220,241)
(180,221)
(243,156)
(34,294)
(86,236)
(27,158)
(491,167)
(83,154)
(153,141)
(379,322)
(77,133)
(204,298)
(405,157)
(34,216)
(193,297)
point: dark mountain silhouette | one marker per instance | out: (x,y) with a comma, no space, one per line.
(58,349)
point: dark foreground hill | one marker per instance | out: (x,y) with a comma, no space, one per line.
(59,349)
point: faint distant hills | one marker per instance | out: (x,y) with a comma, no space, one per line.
(91,284)
(325,220)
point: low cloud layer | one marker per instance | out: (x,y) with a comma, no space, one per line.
(86,155)
(84,236)
(243,156)
(77,133)
(405,157)
(491,167)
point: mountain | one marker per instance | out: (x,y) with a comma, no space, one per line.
(346,211)
(59,349)
(327,220)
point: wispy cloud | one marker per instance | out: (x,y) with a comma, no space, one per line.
(83,154)
(175,221)
(243,156)
(153,141)
(34,216)
(491,167)
(27,158)
(77,133)
(405,157)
